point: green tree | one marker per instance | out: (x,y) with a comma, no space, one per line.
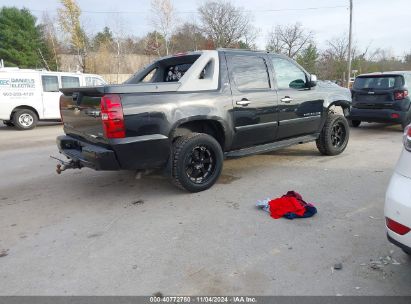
(104,38)
(308,58)
(154,44)
(20,39)
(187,37)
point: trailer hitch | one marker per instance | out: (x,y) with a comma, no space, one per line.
(64,165)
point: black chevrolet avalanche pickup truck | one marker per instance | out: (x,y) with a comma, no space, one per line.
(187,112)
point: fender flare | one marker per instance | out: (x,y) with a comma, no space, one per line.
(213,119)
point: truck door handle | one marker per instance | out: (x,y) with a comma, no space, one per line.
(243,102)
(286,99)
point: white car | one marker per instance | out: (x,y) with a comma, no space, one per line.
(398,199)
(27,96)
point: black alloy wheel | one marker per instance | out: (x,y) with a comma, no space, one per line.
(200,164)
(338,134)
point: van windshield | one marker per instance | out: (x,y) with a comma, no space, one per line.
(378,82)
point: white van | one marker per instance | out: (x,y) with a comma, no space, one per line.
(27,96)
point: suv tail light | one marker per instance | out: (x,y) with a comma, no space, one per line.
(112,116)
(396,227)
(407,138)
(398,95)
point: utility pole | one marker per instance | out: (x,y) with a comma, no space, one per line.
(349,46)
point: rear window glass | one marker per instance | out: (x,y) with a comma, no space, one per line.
(169,69)
(70,82)
(378,82)
(175,72)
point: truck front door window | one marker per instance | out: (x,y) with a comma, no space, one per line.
(288,75)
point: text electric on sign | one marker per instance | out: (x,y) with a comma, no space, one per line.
(18,83)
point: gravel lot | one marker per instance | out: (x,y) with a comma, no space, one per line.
(108,233)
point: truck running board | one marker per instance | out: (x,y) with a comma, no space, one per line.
(271,146)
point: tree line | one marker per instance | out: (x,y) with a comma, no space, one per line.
(30,43)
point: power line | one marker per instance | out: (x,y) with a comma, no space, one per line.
(195,12)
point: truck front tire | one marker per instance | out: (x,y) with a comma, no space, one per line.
(334,136)
(197,161)
(25,119)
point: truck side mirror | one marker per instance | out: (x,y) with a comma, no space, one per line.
(313,81)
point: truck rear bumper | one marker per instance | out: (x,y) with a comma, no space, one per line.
(91,156)
(378,115)
(141,152)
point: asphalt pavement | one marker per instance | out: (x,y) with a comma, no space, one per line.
(122,233)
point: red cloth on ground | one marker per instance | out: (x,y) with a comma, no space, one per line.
(285,204)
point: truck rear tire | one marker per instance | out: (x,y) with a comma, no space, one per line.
(355,123)
(25,119)
(334,136)
(197,161)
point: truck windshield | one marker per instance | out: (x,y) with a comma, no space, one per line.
(378,82)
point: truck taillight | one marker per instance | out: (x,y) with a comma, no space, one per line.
(112,116)
(398,95)
(407,138)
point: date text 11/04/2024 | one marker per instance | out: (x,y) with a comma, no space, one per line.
(203,299)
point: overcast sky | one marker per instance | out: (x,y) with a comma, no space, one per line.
(378,23)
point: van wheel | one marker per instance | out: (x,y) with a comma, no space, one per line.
(334,136)
(25,119)
(8,123)
(197,161)
(355,123)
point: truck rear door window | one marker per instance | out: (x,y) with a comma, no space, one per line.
(50,83)
(249,73)
(70,82)
(378,82)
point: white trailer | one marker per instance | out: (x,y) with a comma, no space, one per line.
(27,96)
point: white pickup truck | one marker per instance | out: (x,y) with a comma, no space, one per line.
(27,96)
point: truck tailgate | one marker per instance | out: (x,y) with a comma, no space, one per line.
(81,113)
